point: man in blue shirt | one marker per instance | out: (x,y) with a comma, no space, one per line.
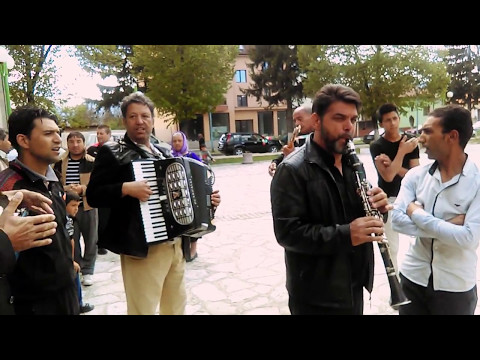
(439,203)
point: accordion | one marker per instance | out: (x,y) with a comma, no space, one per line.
(180,203)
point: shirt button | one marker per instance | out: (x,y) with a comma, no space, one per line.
(11,299)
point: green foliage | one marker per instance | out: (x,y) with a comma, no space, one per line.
(34,75)
(276,76)
(463,62)
(404,75)
(110,60)
(186,80)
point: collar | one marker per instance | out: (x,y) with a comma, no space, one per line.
(34,176)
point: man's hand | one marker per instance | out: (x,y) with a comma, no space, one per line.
(407,146)
(361,230)
(75,188)
(379,200)
(287,149)
(33,201)
(25,232)
(215,198)
(272,168)
(76,267)
(137,189)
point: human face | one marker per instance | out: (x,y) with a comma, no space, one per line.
(336,126)
(433,140)
(390,122)
(102,136)
(138,123)
(76,147)
(72,207)
(177,142)
(305,120)
(42,147)
(5,144)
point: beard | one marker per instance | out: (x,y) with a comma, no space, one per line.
(334,144)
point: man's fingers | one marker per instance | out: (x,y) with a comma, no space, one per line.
(13,204)
(42,242)
(44,218)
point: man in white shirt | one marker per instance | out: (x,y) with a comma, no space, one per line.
(439,203)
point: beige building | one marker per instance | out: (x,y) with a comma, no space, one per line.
(238,113)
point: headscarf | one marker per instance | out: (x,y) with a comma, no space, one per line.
(184,148)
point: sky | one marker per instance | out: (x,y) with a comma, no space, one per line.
(76,84)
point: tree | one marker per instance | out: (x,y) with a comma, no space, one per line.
(186,80)
(463,68)
(405,75)
(110,60)
(276,77)
(34,75)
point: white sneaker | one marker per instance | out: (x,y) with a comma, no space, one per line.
(87,280)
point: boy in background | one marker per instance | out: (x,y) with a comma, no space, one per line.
(206,155)
(72,200)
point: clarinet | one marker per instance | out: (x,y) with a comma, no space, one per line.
(397,295)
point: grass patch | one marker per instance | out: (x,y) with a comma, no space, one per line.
(234,159)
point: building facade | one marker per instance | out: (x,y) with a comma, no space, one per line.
(238,113)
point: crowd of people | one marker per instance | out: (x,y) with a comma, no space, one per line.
(52,200)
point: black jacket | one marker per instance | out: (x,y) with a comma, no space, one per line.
(311,221)
(300,141)
(7,264)
(41,271)
(120,224)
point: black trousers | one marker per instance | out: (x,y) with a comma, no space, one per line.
(301,307)
(426,301)
(62,302)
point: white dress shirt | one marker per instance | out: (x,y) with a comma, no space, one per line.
(447,250)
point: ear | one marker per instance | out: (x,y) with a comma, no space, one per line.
(23,141)
(316,121)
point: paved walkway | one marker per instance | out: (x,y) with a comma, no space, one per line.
(240,268)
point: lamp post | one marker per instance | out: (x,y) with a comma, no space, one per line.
(449,96)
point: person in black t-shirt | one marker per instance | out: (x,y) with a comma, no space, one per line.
(393,155)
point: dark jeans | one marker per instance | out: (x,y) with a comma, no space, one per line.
(300,307)
(79,289)
(426,301)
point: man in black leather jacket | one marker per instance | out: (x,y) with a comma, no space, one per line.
(152,274)
(318,215)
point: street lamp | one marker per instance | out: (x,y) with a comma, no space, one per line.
(449,95)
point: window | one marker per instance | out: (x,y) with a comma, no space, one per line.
(241,76)
(242,100)
(265,122)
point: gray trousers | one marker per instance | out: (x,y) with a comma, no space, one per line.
(87,227)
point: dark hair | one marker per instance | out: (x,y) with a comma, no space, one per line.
(385,109)
(3,134)
(136,97)
(76,134)
(334,92)
(71,196)
(21,121)
(455,117)
(105,127)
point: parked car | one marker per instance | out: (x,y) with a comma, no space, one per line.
(239,142)
(414,131)
(367,139)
